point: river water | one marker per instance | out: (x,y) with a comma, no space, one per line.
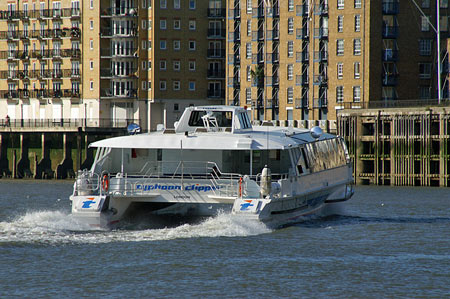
(388,242)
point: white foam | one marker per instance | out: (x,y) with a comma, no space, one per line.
(54,227)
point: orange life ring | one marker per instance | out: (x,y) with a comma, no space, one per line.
(105,182)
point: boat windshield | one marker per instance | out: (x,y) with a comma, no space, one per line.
(224,118)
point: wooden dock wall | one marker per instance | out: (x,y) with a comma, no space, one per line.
(398,147)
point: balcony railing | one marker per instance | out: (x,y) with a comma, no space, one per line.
(41,33)
(301,103)
(215,53)
(320,56)
(39,93)
(302,10)
(320,80)
(390,8)
(321,102)
(302,33)
(38,14)
(214,13)
(302,56)
(301,80)
(320,32)
(216,33)
(123,52)
(109,72)
(234,82)
(389,55)
(110,93)
(321,9)
(390,79)
(216,74)
(390,31)
(215,93)
(119,12)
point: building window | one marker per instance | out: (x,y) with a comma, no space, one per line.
(357,46)
(91,85)
(340,24)
(340,47)
(425,24)
(149,43)
(192,24)
(162,44)
(192,65)
(444,3)
(191,85)
(192,45)
(176,85)
(176,45)
(91,44)
(248,95)
(290,48)
(340,70)
(163,65)
(356,93)
(176,65)
(91,65)
(425,3)
(290,95)
(162,24)
(249,27)
(162,85)
(425,47)
(191,4)
(176,4)
(425,70)
(91,4)
(290,25)
(339,94)
(356,67)
(144,3)
(248,50)
(149,85)
(357,3)
(290,5)
(249,73)
(177,24)
(290,71)
(357,23)
(249,6)
(340,4)
(144,85)
(91,24)
(144,65)
(162,4)
(149,64)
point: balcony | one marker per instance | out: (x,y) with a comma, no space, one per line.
(39,93)
(124,73)
(234,59)
(216,13)
(234,36)
(273,34)
(320,56)
(321,9)
(119,12)
(389,55)
(258,12)
(302,33)
(301,103)
(302,57)
(215,53)
(390,31)
(273,57)
(320,80)
(110,93)
(302,80)
(320,32)
(216,33)
(215,93)
(301,10)
(390,8)
(389,79)
(257,35)
(234,82)
(38,14)
(234,13)
(123,52)
(215,74)
(321,102)
(273,80)
(257,58)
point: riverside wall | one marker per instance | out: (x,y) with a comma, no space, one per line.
(48,153)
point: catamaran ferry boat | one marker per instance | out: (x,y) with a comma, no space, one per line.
(212,160)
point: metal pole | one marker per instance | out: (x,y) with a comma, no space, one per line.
(438,41)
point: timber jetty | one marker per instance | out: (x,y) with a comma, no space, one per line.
(398,146)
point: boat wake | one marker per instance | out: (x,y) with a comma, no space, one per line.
(55,227)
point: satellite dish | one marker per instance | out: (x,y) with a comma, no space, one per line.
(316,132)
(133,129)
